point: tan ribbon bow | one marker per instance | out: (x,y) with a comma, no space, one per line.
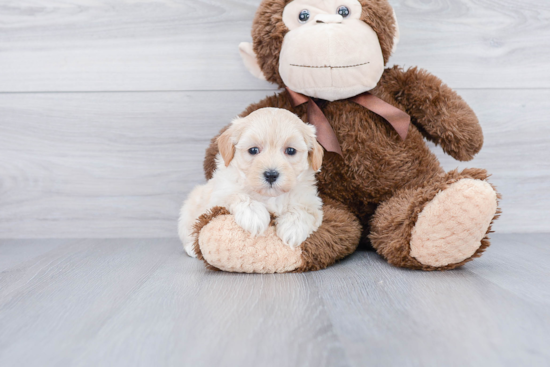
(325,134)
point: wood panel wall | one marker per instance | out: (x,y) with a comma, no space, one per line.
(106,106)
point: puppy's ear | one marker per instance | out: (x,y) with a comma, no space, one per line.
(226,146)
(316,156)
(227,140)
(316,151)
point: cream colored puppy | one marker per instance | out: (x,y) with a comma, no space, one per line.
(267,164)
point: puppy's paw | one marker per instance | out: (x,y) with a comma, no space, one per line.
(294,229)
(189,249)
(252,217)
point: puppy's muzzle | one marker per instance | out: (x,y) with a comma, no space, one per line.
(271,176)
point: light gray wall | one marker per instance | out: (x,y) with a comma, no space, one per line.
(106,106)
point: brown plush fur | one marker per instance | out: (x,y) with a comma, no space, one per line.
(335,239)
(379,175)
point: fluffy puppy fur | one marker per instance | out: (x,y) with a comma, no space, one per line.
(266,165)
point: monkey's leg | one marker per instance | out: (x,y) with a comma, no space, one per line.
(439,226)
(223,245)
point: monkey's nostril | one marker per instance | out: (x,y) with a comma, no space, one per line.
(328,18)
(271,176)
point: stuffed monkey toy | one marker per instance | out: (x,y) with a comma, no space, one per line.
(381,185)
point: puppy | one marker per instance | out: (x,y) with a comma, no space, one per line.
(267,164)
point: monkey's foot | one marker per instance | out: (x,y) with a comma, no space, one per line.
(451,227)
(439,226)
(223,245)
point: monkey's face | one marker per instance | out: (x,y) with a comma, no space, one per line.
(329,52)
(329,49)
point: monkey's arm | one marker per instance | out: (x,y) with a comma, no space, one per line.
(279,100)
(441,114)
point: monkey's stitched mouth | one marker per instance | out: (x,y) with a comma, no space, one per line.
(329,67)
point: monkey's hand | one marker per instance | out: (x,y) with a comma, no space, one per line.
(442,116)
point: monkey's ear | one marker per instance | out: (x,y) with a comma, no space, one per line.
(250,60)
(397,34)
(226,147)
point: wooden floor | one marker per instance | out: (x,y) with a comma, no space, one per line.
(143,303)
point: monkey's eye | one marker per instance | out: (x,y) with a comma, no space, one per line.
(254,151)
(343,11)
(290,151)
(304,16)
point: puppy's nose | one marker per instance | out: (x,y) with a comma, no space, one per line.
(271,176)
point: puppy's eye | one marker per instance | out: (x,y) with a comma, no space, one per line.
(290,151)
(254,151)
(304,16)
(343,11)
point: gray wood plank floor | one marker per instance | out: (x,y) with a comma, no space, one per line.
(132,302)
